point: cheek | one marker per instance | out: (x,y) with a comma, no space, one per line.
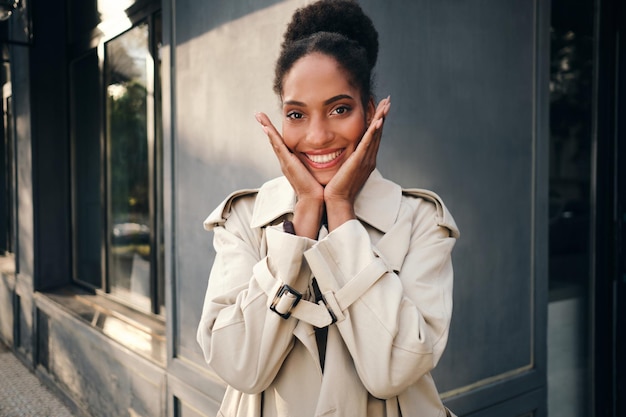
(355,131)
(290,137)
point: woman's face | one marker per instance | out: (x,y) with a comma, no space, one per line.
(323,115)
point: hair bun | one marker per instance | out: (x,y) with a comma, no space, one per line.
(344,17)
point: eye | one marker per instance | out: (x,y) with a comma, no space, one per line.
(342,109)
(294,115)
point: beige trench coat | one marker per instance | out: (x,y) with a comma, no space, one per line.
(387,282)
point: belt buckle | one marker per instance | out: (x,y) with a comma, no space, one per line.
(330,311)
(282,291)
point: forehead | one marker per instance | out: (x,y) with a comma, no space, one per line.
(317,77)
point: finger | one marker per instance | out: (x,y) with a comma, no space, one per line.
(266,125)
(290,164)
(382,110)
(276,139)
(370,143)
(374,130)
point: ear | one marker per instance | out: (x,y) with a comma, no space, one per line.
(370,110)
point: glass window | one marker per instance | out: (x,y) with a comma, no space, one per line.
(7,165)
(128,167)
(117,166)
(569,324)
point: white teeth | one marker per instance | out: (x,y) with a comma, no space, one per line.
(322,159)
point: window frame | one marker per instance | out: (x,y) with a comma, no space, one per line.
(8,164)
(153,18)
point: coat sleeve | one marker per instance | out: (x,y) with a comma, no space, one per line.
(394,323)
(243,341)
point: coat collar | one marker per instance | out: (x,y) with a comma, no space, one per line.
(377,204)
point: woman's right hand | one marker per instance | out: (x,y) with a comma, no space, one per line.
(310,193)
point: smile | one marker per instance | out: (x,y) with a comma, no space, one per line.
(324,159)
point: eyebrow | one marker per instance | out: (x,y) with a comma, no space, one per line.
(326,102)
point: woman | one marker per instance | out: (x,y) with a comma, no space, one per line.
(331,291)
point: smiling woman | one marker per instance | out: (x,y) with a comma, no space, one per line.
(323,116)
(304,263)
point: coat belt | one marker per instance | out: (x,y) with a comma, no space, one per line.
(287,302)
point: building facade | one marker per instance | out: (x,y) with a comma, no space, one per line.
(126,122)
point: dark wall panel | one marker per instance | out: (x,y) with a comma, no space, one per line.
(50,142)
(86,127)
(462,80)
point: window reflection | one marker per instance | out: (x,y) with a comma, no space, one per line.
(7,157)
(569,325)
(113,18)
(127,67)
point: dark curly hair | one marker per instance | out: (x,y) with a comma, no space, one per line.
(337,28)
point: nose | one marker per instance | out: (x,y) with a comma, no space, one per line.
(319,132)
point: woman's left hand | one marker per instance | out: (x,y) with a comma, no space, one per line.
(340,193)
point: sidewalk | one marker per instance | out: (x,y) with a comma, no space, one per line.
(21,392)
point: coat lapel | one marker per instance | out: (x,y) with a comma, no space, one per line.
(377,204)
(394,244)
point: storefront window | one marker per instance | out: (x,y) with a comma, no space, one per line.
(128,217)
(118,169)
(569,324)
(7,166)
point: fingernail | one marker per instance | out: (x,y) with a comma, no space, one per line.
(257,116)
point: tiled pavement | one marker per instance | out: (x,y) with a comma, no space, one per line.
(21,392)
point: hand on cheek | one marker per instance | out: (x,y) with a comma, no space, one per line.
(339,195)
(310,194)
(341,191)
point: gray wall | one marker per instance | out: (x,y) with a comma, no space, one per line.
(468,120)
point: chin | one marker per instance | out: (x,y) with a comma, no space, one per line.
(324,179)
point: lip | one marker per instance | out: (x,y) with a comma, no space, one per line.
(324,159)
